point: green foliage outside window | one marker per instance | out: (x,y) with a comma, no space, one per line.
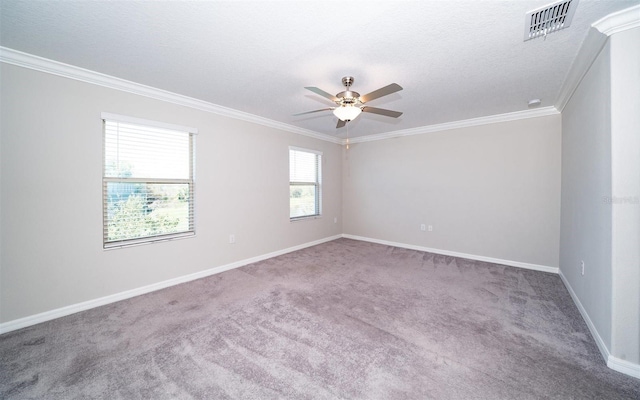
(148,210)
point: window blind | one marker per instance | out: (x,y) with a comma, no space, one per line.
(148,183)
(304,183)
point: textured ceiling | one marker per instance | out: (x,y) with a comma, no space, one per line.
(455,59)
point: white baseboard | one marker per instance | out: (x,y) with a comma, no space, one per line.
(510,263)
(614,363)
(624,366)
(604,351)
(74,308)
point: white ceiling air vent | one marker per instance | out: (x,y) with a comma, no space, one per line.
(550,18)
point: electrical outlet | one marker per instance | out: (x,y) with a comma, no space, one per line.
(423,227)
(232,238)
(430,228)
(582,265)
(335,220)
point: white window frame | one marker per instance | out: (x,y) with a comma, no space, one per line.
(192,132)
(317,184)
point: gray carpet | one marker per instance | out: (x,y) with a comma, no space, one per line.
(342,320)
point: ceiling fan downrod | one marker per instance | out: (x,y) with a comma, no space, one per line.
(348,97)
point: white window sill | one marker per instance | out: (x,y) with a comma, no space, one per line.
(146,241)
(296,219)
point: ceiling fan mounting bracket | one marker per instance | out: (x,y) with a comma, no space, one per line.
(347,81)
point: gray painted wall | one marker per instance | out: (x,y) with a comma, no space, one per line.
(625,131)
(586,184)
(51,168)
(601,195)
(491,190)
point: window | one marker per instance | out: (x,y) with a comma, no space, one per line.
(148,181)
(304,183)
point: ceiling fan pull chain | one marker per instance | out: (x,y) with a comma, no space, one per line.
(347,136)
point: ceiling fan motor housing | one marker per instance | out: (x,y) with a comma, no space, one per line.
(348,97)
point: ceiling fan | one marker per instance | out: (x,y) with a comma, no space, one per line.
(350,104)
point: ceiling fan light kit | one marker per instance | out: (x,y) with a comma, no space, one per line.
(347,112)
(350,104)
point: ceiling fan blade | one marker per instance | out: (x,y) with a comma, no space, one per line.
(382,111)
(341,123)
(322,93)
(314,111)
(392,88)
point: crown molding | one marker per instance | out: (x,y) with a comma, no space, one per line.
(592,46)
(41,64)
(620,21)
(589,51)
(18,58)
(466,123)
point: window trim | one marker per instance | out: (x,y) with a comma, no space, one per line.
(192,132)
(147,122)
(317,184)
